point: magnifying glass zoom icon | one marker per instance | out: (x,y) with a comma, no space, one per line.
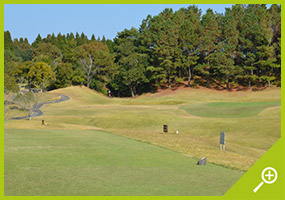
(267,173)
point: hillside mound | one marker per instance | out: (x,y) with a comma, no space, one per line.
(82,94)
(173,96)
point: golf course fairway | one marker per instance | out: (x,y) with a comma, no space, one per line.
(92,145)
(92,163)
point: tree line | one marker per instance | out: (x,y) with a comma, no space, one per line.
(238,48)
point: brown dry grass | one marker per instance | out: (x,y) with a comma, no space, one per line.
(142,118)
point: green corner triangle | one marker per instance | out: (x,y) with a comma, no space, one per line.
(243,189)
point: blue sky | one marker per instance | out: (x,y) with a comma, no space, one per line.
(29,20)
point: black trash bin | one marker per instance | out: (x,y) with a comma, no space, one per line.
(165,128)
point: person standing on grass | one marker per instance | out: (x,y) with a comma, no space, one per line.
(109,93)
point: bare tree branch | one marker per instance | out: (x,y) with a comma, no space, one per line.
(89,68)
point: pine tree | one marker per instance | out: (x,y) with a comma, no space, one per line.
(189,39)
(247,47)
(93,37)
(23,49)
(209,43)
(8,43)
(266,62)
(227,52)
(53,40)
(103,39)
(61,41)
(275,12)
(72,36)
(165,49)
(132,64)
(84,39)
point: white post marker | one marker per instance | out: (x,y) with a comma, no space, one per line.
(266,176)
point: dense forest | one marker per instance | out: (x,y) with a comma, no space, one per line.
(239,48)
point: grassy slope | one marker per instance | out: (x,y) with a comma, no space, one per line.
(248,136)
(69,162)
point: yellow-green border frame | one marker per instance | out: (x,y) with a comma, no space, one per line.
(243,188)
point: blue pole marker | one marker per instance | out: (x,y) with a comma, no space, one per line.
(222,141)
(222,138)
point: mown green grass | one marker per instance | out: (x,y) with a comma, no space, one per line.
(228,109)
(92,163)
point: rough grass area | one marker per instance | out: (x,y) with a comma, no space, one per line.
(15,110)
(74,155)
(250,119)
(228,109)
(92,163)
